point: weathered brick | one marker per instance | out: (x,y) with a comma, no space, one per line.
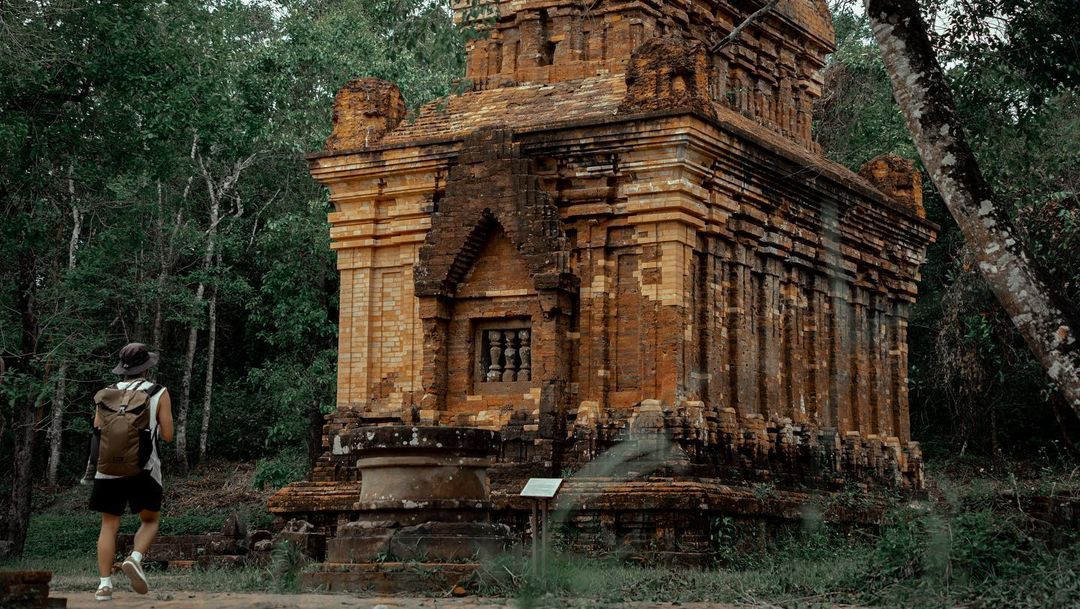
(658,219)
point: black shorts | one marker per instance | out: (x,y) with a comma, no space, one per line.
(140,492)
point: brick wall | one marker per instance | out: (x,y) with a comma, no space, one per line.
(679,259)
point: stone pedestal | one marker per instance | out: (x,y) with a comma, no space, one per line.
(424,497)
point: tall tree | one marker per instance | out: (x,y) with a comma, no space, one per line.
(56,420)
(1046,321)
(117,91)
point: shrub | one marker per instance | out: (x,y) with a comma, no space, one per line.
(288,466)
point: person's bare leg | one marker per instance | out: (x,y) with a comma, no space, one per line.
(147,530)
(106,543)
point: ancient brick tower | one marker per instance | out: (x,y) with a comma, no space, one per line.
(619,231)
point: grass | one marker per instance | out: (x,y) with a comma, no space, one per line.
(806,574)
(78,572)
(63,534)
(958,548)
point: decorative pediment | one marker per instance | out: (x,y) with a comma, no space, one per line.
(492,188)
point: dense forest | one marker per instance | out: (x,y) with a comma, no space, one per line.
(154,188)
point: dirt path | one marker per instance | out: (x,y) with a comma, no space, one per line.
(200,600)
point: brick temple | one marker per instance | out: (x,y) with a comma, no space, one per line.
(618,230)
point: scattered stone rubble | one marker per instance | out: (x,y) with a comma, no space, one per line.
(234,545)
(28,590)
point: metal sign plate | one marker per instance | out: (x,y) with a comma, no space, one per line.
(541,488)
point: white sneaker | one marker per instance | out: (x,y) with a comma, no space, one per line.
(133,569)
(103,593)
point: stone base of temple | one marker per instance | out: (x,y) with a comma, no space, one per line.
(651,520)
(360,540)
(690,522)
(646,492)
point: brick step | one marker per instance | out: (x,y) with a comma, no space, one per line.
(309,496)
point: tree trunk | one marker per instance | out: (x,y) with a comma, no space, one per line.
(185,386)
(56,422)
(193,332)
(166,255)
(155,336)
(1043,318)
(23,419)
(189,364)
(217,192)
(211,343)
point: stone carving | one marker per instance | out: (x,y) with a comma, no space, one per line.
(509,373)
(668,73)
(525,353)
(507,356)
(364,110)
(495,355)
(898,178)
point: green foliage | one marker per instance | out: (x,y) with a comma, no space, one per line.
(67,534)
(119,114)
(856,119)
(75,532)
(286,564)
(275,472)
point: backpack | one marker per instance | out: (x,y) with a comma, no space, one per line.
(125,441)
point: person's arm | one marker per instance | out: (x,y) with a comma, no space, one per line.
(164,416)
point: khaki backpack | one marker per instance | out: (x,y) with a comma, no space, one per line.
(125,440)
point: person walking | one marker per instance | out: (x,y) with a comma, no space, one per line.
(130,416)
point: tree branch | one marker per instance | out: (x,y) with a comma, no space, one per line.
(770,5)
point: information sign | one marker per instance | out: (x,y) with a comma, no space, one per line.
(541,488)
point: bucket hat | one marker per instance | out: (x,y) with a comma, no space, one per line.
(135,358)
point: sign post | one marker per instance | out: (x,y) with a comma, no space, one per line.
(540,489)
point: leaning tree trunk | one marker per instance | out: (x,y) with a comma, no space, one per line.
(208,389)
(1042,317)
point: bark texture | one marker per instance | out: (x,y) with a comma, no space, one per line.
(56,422)
(1043,318)
(189,364)
(208,388)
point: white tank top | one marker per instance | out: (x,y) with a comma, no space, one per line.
(154,463)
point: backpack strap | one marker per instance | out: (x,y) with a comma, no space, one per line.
(153,390)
